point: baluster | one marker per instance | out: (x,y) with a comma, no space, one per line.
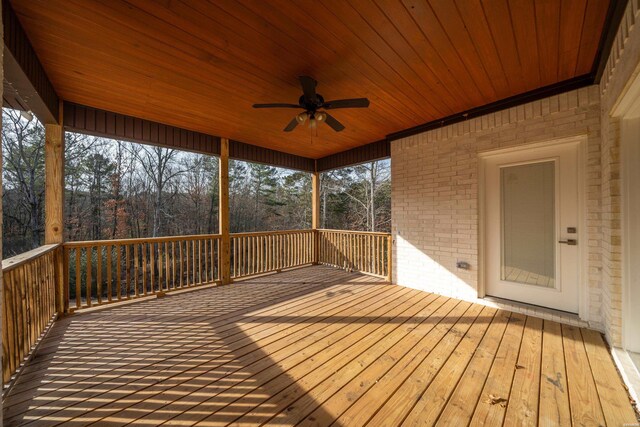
(108,249)
(252,254)
(199,261)
(160,262)
(27,286)
(188,266)
(127,269)
(10,329)
(167,265)
(67,279)
(89,274)
(99,273)
(20,329)
(76,253)
(136,269)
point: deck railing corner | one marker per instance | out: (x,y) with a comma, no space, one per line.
(54,280)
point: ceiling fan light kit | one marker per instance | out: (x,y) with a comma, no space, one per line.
(311,102)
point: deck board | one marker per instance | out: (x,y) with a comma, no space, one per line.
(491,407)
(523,400)
(315,346)
(583,396)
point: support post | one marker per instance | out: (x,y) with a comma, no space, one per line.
(2,307)
(54,202)
(223,213)
(54,183)
(315,213)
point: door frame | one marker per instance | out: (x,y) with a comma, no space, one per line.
(583,242)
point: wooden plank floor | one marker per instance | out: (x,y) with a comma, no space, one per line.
(316,347)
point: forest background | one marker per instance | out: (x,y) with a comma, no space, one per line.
(118,189)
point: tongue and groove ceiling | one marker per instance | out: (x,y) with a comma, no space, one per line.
(200,65)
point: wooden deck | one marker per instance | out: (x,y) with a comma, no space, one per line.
(316,346)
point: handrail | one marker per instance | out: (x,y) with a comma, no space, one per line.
(140,240)
(270,233)
(372,233)
(26,257)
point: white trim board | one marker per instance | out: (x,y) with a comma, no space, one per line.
(627,109)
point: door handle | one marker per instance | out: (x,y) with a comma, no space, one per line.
(570,242)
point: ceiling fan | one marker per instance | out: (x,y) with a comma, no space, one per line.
(312,102)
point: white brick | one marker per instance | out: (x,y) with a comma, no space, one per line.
(434,200)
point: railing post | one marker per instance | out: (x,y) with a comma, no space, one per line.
(223,213)
(54,201)
(315,213)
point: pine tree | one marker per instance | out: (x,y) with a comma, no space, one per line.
(98,171)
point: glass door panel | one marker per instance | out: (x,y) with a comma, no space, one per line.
(528,224)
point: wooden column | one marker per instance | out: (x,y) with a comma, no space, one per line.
(54,202)
(2,305)
(315,213)
(223,213)
(54,184)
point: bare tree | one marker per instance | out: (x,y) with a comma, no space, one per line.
(358,197)
(160,168)
(23,147)
(199,185)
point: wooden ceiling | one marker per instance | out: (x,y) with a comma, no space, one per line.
(201,65)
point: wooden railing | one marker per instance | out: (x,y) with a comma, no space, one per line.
(257,253)
(361,251)
(28,304)
(36,286)
(99,272)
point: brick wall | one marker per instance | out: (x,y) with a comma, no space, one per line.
(435,191)
(622,66)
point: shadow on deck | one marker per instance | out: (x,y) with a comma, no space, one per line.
(315,346)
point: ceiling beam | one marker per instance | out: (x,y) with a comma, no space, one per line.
(27,85)
(366,153)
(253,153)
(611,24)
(106,124)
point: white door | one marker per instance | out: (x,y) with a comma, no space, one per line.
(531,226)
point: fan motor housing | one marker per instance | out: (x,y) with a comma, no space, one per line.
(310,106)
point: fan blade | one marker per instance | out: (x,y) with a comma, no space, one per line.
(309,88)
(334,123)
(347,103)
(276,105)
(292,125)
